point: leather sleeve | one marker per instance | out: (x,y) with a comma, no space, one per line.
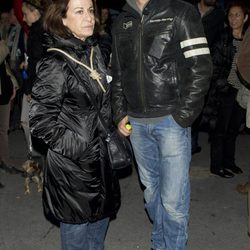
(197,64)
(119,104)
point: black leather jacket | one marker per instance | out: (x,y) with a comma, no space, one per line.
(161,63)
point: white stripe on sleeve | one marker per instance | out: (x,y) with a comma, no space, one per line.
(194,41)
(196,52)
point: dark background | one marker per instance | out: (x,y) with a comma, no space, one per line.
(114,4)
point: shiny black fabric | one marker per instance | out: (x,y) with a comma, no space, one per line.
(79,185)
(151,76)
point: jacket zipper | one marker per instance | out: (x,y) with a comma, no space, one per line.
(141,78)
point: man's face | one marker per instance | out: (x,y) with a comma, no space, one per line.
(5,18)
(210,2)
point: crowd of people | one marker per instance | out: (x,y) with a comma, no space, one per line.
(170,69)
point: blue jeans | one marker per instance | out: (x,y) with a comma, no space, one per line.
(163,155)
(87,236)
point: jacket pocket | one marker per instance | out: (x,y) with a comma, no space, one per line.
(159,44)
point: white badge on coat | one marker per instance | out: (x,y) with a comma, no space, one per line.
(109,78)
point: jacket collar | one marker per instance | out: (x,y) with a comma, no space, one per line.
(133,5)
(152,5)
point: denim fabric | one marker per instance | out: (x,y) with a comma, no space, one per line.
(87,236)
(163,155)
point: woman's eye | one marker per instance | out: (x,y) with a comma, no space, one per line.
(79,12)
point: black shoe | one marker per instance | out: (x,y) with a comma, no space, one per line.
(223,173)
(196,150)
(235,169)
(1,185)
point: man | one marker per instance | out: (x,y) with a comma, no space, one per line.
(243,62)
(212,17)
(161,70)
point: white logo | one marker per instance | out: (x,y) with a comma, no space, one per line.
(127,25)
(169,19)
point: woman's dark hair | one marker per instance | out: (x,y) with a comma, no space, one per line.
(52,21)
(237,3)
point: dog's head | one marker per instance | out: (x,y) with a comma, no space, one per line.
(31,167)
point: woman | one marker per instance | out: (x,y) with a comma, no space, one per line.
(226,85)
(32,16)
(80,190)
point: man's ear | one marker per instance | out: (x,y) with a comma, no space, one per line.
(246,18)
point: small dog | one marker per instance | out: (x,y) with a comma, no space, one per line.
(32,172)
(243,188)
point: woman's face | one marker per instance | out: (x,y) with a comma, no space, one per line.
(80,18)
(236,18)
(30,16)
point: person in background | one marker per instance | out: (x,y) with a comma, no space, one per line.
(16,43)
(32,15)
(4,24)
(161,69)
(17,5)
(8,87)
(226,84)
(212,17)
(103,32)
(81,192)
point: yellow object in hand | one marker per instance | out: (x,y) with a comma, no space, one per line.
(128,126)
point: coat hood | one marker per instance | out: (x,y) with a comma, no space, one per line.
(73,42)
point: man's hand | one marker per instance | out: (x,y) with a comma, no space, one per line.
(122,127)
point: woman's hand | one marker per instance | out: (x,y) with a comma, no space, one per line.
(13,94)
(28,98)
(23,65)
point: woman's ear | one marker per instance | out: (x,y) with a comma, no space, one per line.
(64,21)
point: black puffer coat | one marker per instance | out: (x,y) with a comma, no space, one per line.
(79,185)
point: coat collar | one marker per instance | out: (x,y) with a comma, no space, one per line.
(71,43)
